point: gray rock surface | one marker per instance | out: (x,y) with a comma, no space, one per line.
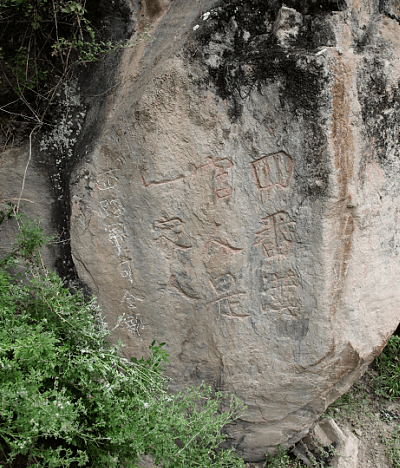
(241,201)
(35,200)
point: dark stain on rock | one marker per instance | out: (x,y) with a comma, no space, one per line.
(341,130)
(313,7)
(153,8)
(247,56)
(380,108)
(296,329)
(390,8)
(251,57)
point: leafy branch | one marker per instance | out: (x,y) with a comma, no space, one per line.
(41,41)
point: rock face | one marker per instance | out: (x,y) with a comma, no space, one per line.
(34,201)
(242,201)
(345,443)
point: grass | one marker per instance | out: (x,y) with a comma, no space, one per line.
(282,460)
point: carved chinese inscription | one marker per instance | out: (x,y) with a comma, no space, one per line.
(228,300)
(170,236)
(107,180)
(222,187)
(218,253)
(270,171)
(221,171)
(277,235)
(280,291)
(130,300)
(111,207)
(126,270)
(116,236)
(183,285)
(133,323)
(220,168)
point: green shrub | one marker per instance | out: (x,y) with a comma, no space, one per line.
(387,384)
(67,397)
(40,43)
(281,460)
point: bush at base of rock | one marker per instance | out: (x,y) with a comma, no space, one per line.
(68,399)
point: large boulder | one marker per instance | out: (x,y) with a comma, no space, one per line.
(242,201)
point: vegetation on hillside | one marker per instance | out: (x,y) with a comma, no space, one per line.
(387,382)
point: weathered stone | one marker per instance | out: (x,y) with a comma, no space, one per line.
(147,462)
(328,433)
(242,204)
(287,25)
(32,194)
